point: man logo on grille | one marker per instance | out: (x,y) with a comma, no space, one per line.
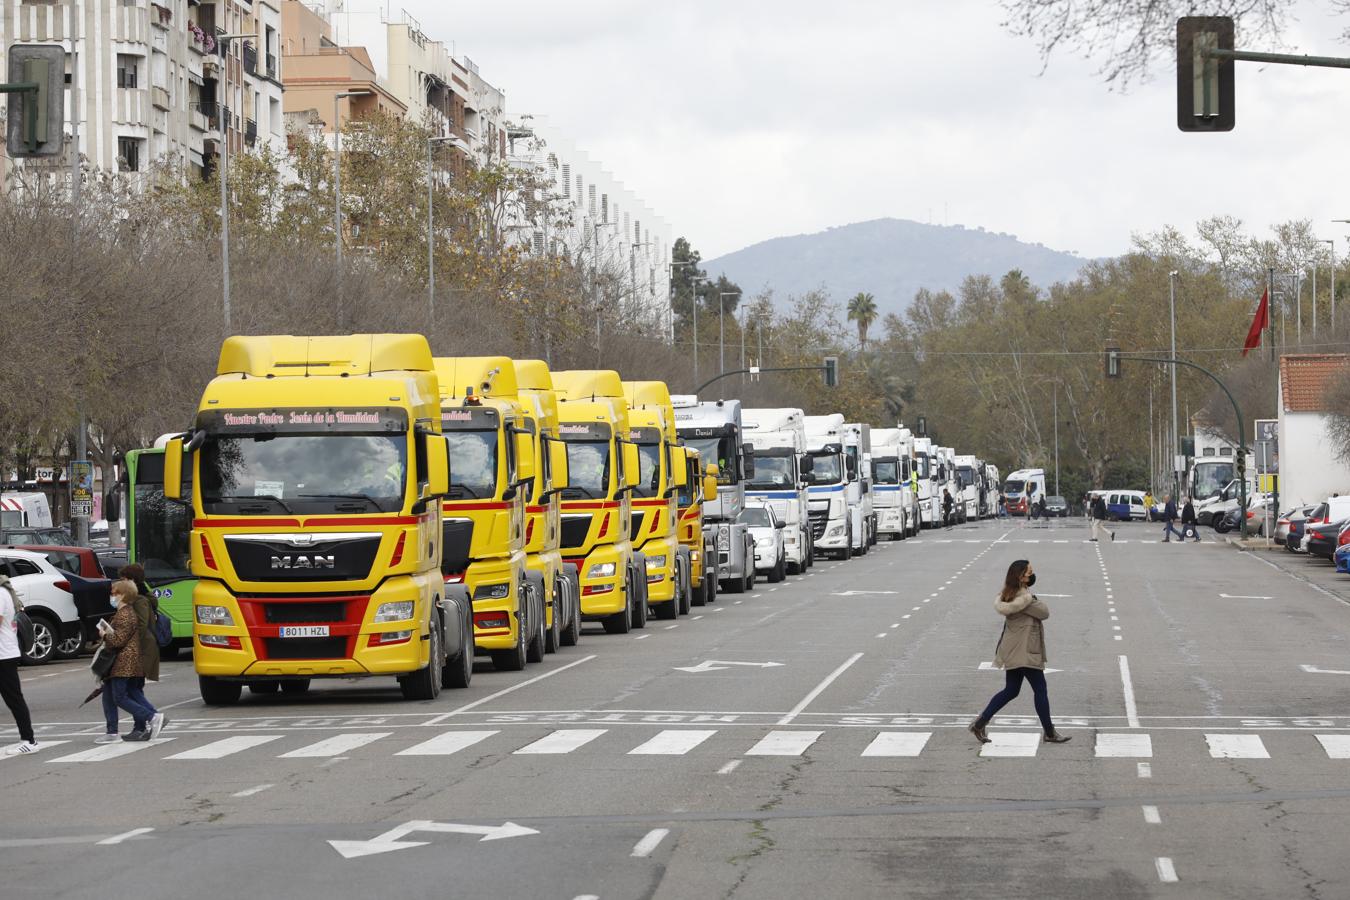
(304,562)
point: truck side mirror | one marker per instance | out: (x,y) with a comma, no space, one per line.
(173,469)
(808,464)
(748,455)
(631,464)
(557,464)
(438,465)
(709,488)
(679,470)
(526,464)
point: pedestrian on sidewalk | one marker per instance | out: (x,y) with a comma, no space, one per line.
(128,669)
(10,687)
(948,517)
(1170,518)
(1097,512)
(1188,521)
(1021,651)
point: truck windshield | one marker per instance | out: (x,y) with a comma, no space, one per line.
(473,464)
(1013,488)
(587,469)
(649,470)
(965,476)
(265,474)
(1209,478)
(161,528)
(720,449)
(886,471)
(772,472)
(827,468)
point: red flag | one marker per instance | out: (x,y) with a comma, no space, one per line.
(1260,322)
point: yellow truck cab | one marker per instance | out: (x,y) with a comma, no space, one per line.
(317,469)
(483,514)
(700,485)
(543,513)
(596,504)
(655,533)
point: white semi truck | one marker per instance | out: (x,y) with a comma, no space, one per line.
(896,505)
(778,437)
(714,429)
(969,480)
(930,493)
(858,455)
(832,527)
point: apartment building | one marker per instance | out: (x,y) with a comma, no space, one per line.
(149,77)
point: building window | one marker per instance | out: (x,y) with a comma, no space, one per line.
(129,154)
(126,70)
(567,181)
(1208,451)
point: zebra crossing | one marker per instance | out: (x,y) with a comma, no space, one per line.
(895,744)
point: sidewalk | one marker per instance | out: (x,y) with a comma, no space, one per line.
(1316,572)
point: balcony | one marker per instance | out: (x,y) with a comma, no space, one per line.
(160,97)
(200,40)
(250,132)
(271,67)
(250,58)
(161,16)
(201,116)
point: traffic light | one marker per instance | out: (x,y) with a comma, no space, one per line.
(831,368)
(1205,86)
(1112,361)
(921,426)
(36,116)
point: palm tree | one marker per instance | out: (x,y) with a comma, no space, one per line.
(863,310)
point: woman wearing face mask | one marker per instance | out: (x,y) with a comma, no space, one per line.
(1021,651)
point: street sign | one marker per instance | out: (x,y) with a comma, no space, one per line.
(1205,85)
(81,488)
(1267,429)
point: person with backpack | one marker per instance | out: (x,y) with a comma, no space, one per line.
(1020,651)
(11,689)
(1097,512)
(126,680)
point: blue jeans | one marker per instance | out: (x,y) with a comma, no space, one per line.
(127,694)
(1013,686)
(135,689)
(1170,529)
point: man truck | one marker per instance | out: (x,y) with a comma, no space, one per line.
(699,488)
(655,527)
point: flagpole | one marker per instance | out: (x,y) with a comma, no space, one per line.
(1270,320)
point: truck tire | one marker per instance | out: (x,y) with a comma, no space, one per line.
(425,683)
(668,610)
(639,608)
(535,649)
(219,693)
(572,633)
(684,587)
(458,669)
(512,660)
(553,633)
(622,622)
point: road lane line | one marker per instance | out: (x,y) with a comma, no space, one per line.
(1011,743)
(336,745)
(674,742)
(668,627)
(249,792)
(445,744)
(564,741)
(181,703)
(784,743)
(126,835)
(1119,638)
(226,746)
(1236,746)
(504,691)
(819,689)
(105,752)
(1167,873)
(1151,815)
(695,618)
(898,743)
(1336,745)
(1124,746)
(729,767)
(883,634)
(643,848)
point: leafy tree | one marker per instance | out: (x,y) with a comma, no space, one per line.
(862,309)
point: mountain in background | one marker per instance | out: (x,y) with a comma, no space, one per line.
(889,259)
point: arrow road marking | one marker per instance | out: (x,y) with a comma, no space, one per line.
(1243,597)
(1318,671)
(990,667)
(384,843)
(713,665)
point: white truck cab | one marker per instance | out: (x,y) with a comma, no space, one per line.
(969,477)
(893,497)
(714,429)
(778,437)
(827,482)
(930,492)
(858,455)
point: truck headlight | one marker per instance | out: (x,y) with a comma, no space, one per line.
(723,538)
(601,570)
(764,542)
(214,615)
(656,562)
(397,611)
(836,531)
(499,591)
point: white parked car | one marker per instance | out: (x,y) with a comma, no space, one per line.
(767,531)
(796,534)
(45,593)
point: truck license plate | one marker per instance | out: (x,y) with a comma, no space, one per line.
(304,631)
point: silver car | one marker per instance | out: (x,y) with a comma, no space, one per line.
(767,530)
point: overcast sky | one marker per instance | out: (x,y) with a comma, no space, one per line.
(742,120)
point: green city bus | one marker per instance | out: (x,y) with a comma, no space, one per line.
(158,534)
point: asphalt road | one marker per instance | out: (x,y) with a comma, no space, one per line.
(1205,691)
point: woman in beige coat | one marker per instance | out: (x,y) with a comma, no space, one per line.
(1021,651)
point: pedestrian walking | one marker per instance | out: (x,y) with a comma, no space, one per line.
(1020,652)
(1040,508)
(1188,521)
(146,609)
(1170,520)
(10,687)
(1002,505)
(128,670)
(947,515)
(1097,512)
(1149,502)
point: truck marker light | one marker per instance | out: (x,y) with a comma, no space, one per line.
(529,530)
(398,549)
(207,556)
(224,641)
(492,621)
(385,638)
(591,589)
(604,525)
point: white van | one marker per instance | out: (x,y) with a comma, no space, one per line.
(1124,506)
(25,511)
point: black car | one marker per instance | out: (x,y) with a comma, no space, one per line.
(1056,506)
(1323,538)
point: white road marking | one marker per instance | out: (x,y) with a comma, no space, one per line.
(898,743)
(1167,873)
(895,624)
(642,637)
(1242,597)
(1151,815)
(336,745)
(1127,686)
(883,634)
(1011,743)
(729,767)
(249,792)
(1124,746)
(445,744)
(1145,770)
(643,848)
(586,897)
(1336,745)
(1236,746)
(1115,627)
(1119,638)
(564,741)
(504,691)
(784,743)
(695,618)
(905,616)
(915,609)
(105,752)
(226,746)
(126,835)
(674,742)
(1114,618)
(737,603)
(819,689)
(1317,671)
(676,625)
(719,609)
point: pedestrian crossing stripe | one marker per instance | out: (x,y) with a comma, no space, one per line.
(1132,745)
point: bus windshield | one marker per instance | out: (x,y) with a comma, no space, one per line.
(161,528)
(1209,478)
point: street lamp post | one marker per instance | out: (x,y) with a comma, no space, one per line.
(1331,242)
(337,189)
(670,279)
(1176,438)
(693,299)
(223,41)
(431,239)
(722,330)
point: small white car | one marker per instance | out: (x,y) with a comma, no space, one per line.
(45,594)
(767,531)
(796,534)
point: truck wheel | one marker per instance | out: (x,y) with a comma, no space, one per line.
(553,634)
(639,609)
(219,693)
(572,633)
(298,686)
(512,660)
(668,610)
(458,670)
(425,683)
(700,594)
(685,590)
(621,622)
(534,650)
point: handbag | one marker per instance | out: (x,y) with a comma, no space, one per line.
(103,660)
(23,623)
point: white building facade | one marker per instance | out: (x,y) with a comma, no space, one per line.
(1310,469)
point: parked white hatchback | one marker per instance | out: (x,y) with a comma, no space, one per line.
(45,593)
(767,530)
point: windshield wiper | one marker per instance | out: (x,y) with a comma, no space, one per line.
(241,499)
(462,489)
(366,497)
(576,487)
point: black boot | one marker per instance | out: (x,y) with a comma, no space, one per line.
(1054,737)
(977,729)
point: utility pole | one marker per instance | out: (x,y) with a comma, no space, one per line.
(1056,438)
(1331,242)
(721,329)
(693,300)
(1176,439)
(82,436)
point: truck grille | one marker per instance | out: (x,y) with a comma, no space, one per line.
(819,519)
(306,648)
(340,559)
(456,539)
(574,531)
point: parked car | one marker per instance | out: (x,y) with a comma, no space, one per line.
(46,594)
(1342,557)
(767,531)
(1332,509)
(1056,506)
(89,583)
(1122,506)
(112,559)
(796,533)
(1285,524)
(1257,516)
(24,537)
(1323,538)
